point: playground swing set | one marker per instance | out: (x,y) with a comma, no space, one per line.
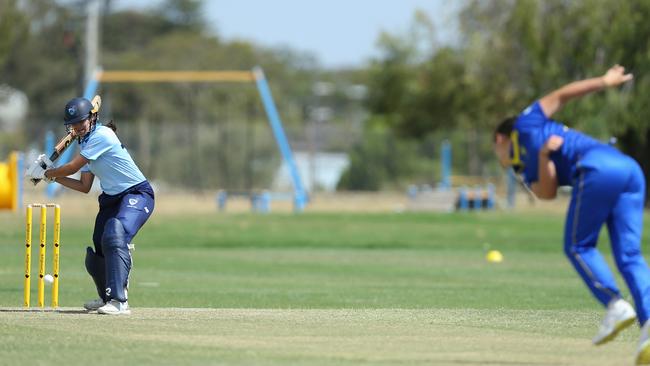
(259,202)
(11,184)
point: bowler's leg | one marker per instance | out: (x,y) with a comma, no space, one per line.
(593,197)
(587,213)
(625,225)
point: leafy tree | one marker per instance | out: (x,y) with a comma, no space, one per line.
(41,50)
(511,52)
(186,15)
(38,62)
(546,44)
(13,28)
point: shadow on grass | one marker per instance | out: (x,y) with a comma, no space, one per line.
(499,362)
(44,310)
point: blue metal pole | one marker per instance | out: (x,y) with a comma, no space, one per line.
(463,199)
(478,198)
(300,197)
(50,189)
(445,168)
(491,196)
(91,88)
(265,202)
(49,142)
(222,198)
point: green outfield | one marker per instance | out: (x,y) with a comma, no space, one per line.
(318,289)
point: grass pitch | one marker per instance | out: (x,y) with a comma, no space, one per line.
(318,289)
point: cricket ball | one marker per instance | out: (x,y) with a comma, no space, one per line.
(494,256)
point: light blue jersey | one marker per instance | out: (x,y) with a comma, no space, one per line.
(109,161)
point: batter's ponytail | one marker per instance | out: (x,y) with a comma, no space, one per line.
(112,126)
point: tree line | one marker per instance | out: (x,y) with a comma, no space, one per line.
(506,54)
(509,52)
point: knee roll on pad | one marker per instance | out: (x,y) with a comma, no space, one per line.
(97,270)
(114,235)
(94,263)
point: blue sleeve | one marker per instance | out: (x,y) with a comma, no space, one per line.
(529,125)
(532,117)
(97,145)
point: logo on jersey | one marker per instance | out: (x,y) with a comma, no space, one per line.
(132,203)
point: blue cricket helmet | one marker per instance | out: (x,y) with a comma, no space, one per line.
(77,110)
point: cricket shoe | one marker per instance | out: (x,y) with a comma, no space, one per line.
(643,350)
(93,305)
(620,315)
(115,307)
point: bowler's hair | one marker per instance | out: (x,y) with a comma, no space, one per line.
(505,127)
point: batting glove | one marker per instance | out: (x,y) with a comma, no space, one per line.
(44,162)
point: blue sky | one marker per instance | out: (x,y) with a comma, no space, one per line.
(338,32)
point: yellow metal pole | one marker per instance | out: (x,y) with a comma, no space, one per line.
(28,255)
(55,256)
(41,257)
(142,76)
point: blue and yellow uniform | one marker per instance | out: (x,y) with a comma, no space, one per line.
(608,188)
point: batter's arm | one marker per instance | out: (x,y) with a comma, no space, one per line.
(67,169)
(82,185)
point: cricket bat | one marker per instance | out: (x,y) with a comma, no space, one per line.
(66,141)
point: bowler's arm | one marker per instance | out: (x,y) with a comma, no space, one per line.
(546,185)
(554,101)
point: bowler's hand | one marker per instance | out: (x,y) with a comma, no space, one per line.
(552,144)
(616,76)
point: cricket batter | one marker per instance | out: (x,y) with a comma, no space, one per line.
(125,204)
(608,188)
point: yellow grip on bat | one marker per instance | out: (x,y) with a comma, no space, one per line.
(97,103)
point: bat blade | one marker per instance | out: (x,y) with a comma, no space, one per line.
(60,147)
